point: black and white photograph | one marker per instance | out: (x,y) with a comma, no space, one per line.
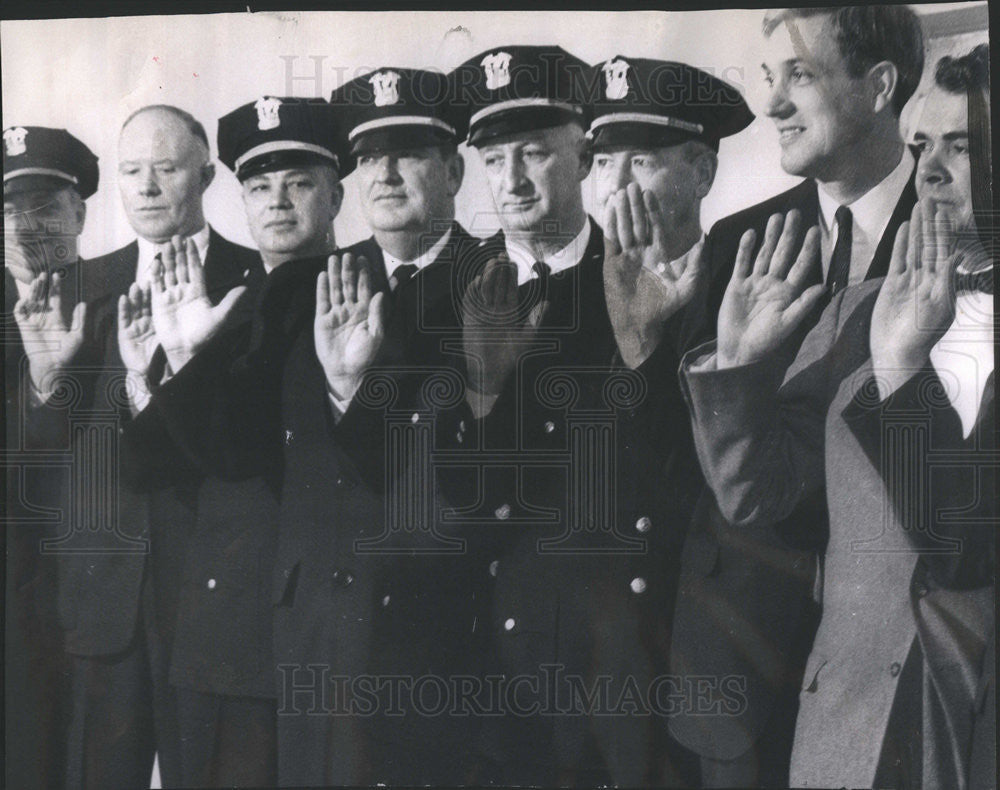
(499,398)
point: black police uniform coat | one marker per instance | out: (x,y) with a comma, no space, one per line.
(38,451)
(337,611)
(576,492)
(90,579)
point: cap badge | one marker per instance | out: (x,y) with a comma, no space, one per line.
(615,73)
(13,141)
(497,68)
(386,85)
(267,113)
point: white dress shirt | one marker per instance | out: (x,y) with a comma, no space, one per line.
(565,258)
(870,215)
(964,356)
(149,249)
(422,262)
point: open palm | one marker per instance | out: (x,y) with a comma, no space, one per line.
(763,305)
(349,323)
(136,335)
(49,342)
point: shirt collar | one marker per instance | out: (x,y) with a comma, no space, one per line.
(871,212)
(560,260)
(421,262)
(148,250)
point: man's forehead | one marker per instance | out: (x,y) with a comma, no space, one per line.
(943,113)
(157,130)
(804,38)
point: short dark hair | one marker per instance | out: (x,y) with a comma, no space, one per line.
(867,35)
(969,75)
(193,124)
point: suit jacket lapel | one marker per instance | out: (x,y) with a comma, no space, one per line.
(883,253)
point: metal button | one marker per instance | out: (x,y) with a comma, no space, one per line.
(289,435)
(549,426)
(211,583)
(638,585)
(509,624)
(494,566)
(461,425)
(895,668)
(644,524)
(415,418)
(503,512)
(385,601)
(460,437)
(342,578)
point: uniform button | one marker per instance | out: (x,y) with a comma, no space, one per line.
(211,583)
(385,601)
(494,566)
(509,624)
(342,578)
(549,426)
(920,589)
(503,512)
(460,437)
(638,585)
(895,668)
(289,435)
(461,425)
(644,524)
(340,481)
(415,418)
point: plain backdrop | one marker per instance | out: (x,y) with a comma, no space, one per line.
(87,75)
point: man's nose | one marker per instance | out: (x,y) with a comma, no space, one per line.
(387,170)
(513,174)
(778,104)
(279,197)
(930,169)
(149,185)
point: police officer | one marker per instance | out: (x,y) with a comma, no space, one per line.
(286,154)
(48,176)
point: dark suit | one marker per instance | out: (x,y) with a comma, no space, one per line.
(338,610)
(573,545)
(768,437)
(37,445)
(756,586)
(122,707)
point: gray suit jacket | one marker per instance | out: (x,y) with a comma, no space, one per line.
(768,437)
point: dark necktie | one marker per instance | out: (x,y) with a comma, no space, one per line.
(402,275)
(971,282)
(840,261)
(542,270)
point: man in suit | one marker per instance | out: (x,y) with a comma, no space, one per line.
(123,708)
(285,152)
(836,105)
(48,176)
(907,611)
(275,401)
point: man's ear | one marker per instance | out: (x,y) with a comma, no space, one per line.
(336,198)
(706,165)
(207,175)
(81,214)
(884,80)
(455,172)
(586,158)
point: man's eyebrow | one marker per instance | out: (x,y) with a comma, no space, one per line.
(918,135)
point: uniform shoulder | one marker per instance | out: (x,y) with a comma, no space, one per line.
(801,196)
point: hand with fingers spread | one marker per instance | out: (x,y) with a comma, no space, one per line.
(916,303)
(48,341)
(642,287)
(183,316)
(136,336)
(493,333)
(349,325)
(764,304)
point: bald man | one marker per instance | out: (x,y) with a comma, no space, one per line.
(119,607)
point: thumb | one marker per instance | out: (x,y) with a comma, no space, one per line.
(79,316)
(377,315)
(228,302)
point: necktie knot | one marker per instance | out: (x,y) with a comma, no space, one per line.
(402,274)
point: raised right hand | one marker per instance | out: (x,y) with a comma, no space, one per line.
(764,304)
(48,342)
